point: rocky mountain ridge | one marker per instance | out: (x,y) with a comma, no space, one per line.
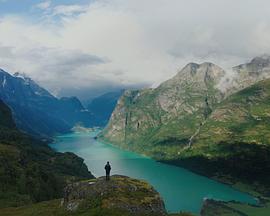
(246,74)
(195,88)
(139,113)
(38,112)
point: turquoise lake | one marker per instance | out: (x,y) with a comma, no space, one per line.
(181,189)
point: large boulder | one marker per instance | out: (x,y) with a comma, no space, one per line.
(130,195)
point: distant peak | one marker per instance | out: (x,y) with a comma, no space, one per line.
(196,65)
(3,71)
(190,67)
(192,64)
(21,75)
(209,64)
(265,56)
(263,59)
(72,98)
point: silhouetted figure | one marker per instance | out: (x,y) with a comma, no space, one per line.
(108,170)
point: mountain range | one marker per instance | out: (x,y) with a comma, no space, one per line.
(209,120)
(102,107)
(38,112)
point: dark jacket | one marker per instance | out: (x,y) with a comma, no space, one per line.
(108,168)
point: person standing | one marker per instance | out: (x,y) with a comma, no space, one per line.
(108,170)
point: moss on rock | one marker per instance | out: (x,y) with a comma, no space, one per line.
(121,192)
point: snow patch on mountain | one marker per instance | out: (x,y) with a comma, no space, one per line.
(4,82)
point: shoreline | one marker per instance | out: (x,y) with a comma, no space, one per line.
(262,201)
(258,197)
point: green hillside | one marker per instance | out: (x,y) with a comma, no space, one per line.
(235,140)
(30,171)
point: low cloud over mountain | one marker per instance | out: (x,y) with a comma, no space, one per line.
(93,43)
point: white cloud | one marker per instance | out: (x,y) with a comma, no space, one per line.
(43,5)
(137,41)
(68,10)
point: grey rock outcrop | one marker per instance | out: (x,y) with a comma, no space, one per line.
(121,192)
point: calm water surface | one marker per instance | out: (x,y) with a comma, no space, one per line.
(181,189)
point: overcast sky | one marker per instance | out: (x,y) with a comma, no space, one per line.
(73,45)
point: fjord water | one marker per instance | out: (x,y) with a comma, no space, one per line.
(181,189)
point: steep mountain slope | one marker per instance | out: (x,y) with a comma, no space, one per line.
(234,142)
(6,120)
(243,116)
(154,117)
(72,112)
(102,107)
(35,110)
(30,171)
